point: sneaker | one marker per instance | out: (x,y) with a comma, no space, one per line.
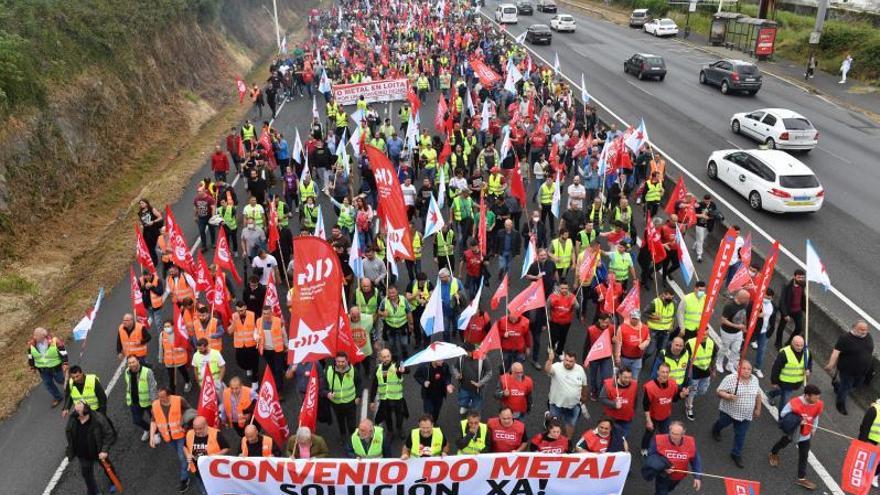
(773,459)
(809,485)
(644,452)
(145,436)
(187,387)
(690,414)
(536,365)
(699,259)
(754,345)
(184,486)
(719,367)
(759,374)
(841,408)
(716,435)
(876,482)
(738,460)
(157,439)
(55,403)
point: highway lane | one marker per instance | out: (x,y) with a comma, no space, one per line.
(689,121)
(147,471)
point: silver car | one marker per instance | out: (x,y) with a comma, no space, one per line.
(639,17)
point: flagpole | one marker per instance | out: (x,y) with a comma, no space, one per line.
(283,263)
(546,312)
(806,329)
(613,318)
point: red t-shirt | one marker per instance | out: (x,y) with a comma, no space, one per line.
(472,263)
(219,162)
(631,338)
(514,336)
(561,308)
(503,439)
(517,401)
(660,398)
(475,331)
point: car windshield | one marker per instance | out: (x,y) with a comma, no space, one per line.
(667,22)
(540,28)
(797,124)
(747,69)
(654,60)
(798,181)
(566,18)
(509,10)
(639,14)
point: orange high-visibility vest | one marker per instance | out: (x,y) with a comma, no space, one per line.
(132,343)
(277,334)
(172,355)
(171,428)
(155,299)
(212,448)
(180,289)
(658,165)
(243,331)
(266,448)
(165,248)
(205,332)
(244,402)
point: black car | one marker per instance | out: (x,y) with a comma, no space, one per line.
(539,33)
(732,75)
(524,7)
(645,65)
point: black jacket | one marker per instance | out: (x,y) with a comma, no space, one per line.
(498,244)
(100,436)
(785,298)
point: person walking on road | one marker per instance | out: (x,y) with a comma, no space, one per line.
(167,424)
(243,328)
(569,391)
(386,394)
(474,435)
(425,441)
(657,399)
(132,339)
(680,451)
(173,357)
(515,391)
(631,341)
(307,445)
(473,376)
(706,212)
(516,339)
(845,66)
(48,357)
(661,322)
(733,323)
(802,413)
(89,437)
(342,386)
(618,397)
(369,442)
(435,380)
(238,405)
(740,403)
(792,306)
(869,431)
(202,440)
(790,371)
(140,392)
(702,371)
(853,358)
(254,444)
(213,358)
(562,306)
(86,388)
(690,311)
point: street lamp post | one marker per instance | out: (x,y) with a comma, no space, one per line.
(816,34)
(277,29)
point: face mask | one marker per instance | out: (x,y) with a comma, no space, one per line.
(168,329)
(701,293)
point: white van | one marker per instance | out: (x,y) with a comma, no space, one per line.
(506,14)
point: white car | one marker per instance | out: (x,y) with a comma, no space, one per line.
(661,27)
(778,128)
(772,180)
(562,22)
(506,13)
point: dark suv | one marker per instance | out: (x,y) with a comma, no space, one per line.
(539,33)
(645,65)
(524,7)
(732,75)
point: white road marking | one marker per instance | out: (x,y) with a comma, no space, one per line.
(56,476)
(835,155)
(733,144)
(820,469)
(745,219)
(643,90)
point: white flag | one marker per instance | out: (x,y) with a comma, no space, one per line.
(585,96)
(298,148)
(521,38)
(815,268)
(319,225)
(484,124)
(315,107)
(432,317)
(81,330)
(556,66)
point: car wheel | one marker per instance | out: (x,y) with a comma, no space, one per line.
(725,88)
(625,68)
(660,78)
(755,200)
(712,170)
(771,143)
(641,76)
(734,126)
(702,77)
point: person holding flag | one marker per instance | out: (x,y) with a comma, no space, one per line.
(657,399)
(562,306)
(680,451)
(132,339)
(173,357)
(618,397)
(340,387)
(661,322)
(791,369)
(601,366)
(798,420)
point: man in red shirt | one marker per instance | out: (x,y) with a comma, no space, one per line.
(472,265)
(659,394)
(681,452)
(506,434)
(562,306)
(667,236)
(632,339)
(516,340)
(600,369)
(477,327)
(219,164)
(515,391)
(619,400)
(234,146)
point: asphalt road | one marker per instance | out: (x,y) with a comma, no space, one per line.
(689,121)
(35,433)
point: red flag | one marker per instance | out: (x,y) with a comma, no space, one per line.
(392,211)
(630,302)
(180,254)
(481,230)
(587,268)
(223,257)
(762,281)
(734,486)
(440,116)
(272,296)
(343,340)
(580,148)
(740,279)
(499,293)
(308,412)
(678,193)
(517,189)
(273,235)
(610,292)
(554,158)
(208,404)
(137,301)
(142,251)
(530,298)
(719,272)
(242,89)
(487,76)
(181,333)
(202,274)
(445,152)
(858,467)
(652,237)
(220,300)
(414,101)
(600,349)
(491,342)
(266,143)
(745,252)
(268,413)
(316,302)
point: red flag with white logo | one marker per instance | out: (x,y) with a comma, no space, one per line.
(517,188)
(242,89)
(611,290)
(733,486)
(316,300)
(413,98)
(202,274)
(630,302)
(272,298)
(180,254)
(858,467)
(719,273)
(343,340)
(208,403)
(142,251)
(762,282)
(652,237)
(392,210)
(678,193)
(266,143)
(220,299)
(440,115)
(273,235)
(268,413)
(137,301)
(530,298)
(223,256)
(491,342)
(499,293)
(181,333)
(600,349)
(308,412)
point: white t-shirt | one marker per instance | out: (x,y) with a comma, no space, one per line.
(565,385)
(409,194)
(738,243)
(767,307)
(267,265)
(576,195)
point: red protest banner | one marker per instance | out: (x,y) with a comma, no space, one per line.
(719,272)
(858,467)
(392,210)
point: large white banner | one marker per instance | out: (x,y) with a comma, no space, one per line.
(487,474)
(384,90)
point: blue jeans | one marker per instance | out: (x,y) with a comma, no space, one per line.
(50,377)
(511,357)
(469,400)
(137,416)
(503,264)
(847,383)
(397,341)
(599,372)
(761,340)
(659,338)
(622,428)
(739,431)
(199,484)
(178,446)
(661,427)
(634,364)
(784,396)
(203,224)
(567,415)
(472,284)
